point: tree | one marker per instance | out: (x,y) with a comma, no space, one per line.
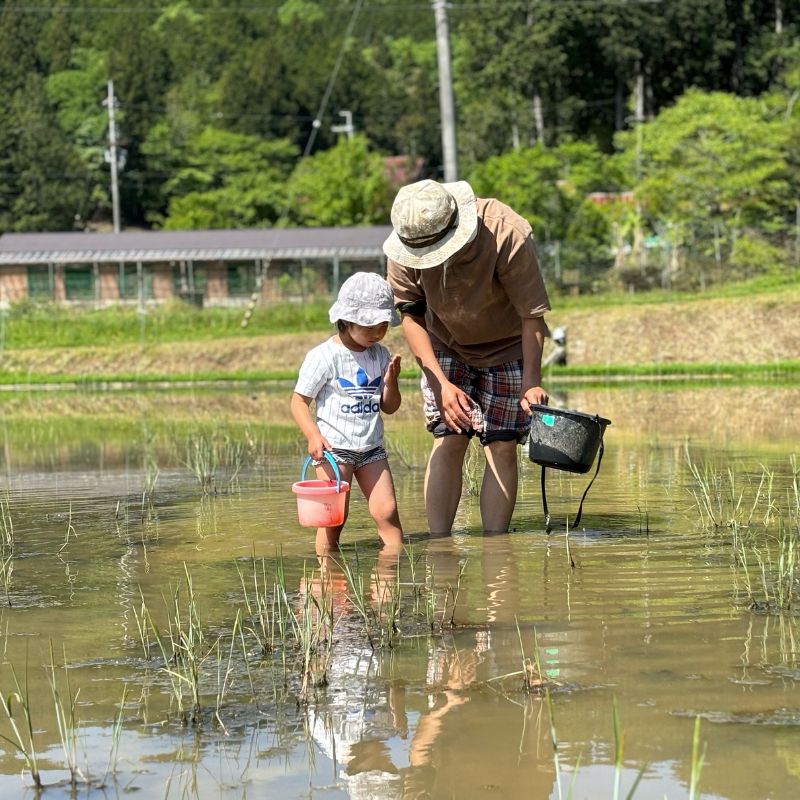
(220,179)
(345,185)
(713,168)
(48,185)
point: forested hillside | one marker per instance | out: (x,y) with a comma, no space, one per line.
(648,142)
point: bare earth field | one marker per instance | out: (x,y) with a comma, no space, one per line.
(758,330)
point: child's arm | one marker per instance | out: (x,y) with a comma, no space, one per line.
(390,398)
(302,416)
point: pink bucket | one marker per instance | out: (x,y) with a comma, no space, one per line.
(321,503)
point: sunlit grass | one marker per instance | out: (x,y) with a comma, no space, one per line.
(55,325)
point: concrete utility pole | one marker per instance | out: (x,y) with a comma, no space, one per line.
(111,154)
(446,101)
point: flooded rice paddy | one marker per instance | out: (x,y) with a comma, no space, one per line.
(167,630)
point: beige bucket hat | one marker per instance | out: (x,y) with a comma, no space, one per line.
(432,222)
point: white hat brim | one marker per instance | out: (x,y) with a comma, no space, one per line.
(449,245)
(366,317)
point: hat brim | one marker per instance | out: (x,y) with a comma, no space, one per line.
(436,254)
(366,317)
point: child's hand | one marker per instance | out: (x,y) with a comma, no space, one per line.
(392,370)
(316,444)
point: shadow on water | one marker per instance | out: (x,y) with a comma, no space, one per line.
(200,648)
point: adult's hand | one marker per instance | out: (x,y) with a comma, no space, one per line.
(536,395)
(456,407)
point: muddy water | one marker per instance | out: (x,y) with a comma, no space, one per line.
(643,615)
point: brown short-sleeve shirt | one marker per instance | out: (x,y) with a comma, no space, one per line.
(475,304)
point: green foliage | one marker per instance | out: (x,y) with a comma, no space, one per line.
(217,101)
(345,185)
(713,169)
(220,179)
(714,156)
(47,185)
(753,255)
(548,186)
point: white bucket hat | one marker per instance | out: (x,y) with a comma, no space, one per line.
(366,299)
(432,222)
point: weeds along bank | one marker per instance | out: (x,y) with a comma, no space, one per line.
(754,329)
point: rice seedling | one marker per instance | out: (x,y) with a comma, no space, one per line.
(721,499)
(66,719)
(698,759)
(313,631)
(151,473)
(553,741)
(6,525)
(6,571)
(69,532)
(142,626)
(356,595)
(619,738)
(270,612)
(417,588)
(201,458)
(22,740)
(473,470)
(387,595)
(453,592)
(187,651)
(209,456)
(224,678)
(116,736)
(533,679)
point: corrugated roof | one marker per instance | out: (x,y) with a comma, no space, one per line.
(220,245)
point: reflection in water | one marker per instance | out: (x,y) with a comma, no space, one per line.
(651,608)
(396,728)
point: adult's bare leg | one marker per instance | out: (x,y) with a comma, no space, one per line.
(443,480)
(499,487)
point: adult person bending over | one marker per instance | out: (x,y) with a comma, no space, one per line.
(466,280)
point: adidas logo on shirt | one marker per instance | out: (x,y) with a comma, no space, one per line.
(363,390)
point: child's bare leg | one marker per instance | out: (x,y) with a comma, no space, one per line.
(376,482)
(328,538)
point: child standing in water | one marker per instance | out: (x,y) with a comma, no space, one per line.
(352,379)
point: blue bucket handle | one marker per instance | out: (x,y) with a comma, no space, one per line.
(332,462)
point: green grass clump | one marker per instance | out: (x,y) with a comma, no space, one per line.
(51,325)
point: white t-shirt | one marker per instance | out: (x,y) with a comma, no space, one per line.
(346,386)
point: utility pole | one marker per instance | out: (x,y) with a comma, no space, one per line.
(446,101)
(111,154)
(347,127)
(639,250)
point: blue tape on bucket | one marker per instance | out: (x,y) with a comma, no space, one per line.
(549,420)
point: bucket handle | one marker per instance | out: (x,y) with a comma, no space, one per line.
(332,462)
(576,521)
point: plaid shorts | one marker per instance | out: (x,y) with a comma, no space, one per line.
(495,389)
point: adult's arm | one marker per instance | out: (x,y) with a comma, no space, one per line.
(454,404)
(533,332)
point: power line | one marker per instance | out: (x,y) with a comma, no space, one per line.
(317,123)
(261,10)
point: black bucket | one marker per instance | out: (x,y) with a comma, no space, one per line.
(565,440)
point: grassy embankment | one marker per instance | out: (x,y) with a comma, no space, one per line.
(736,332)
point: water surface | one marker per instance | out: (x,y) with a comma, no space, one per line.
(648,613)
